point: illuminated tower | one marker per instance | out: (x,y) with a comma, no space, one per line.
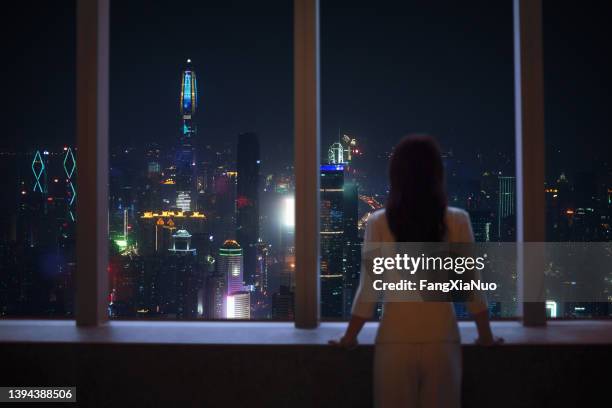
(332,240)
(229,268)
(230,265)
(342,151)
(340,242)
(189,103)
(185,154)
(70,173)
(40,175)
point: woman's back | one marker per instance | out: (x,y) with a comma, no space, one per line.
(418,321)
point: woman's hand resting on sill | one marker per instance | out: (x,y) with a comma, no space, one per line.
(348,343)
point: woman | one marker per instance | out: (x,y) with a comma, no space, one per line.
(417,359)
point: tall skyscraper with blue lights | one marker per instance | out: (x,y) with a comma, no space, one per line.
(185,154)
(332,240)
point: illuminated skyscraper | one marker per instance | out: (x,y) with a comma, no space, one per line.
(229,268)
(482,225)
(230,265)
(351,259)
(185,154)
(332,240)
(238,305)
(340,242)
(342,151)
(505,207)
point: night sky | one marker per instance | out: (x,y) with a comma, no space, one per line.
(388,68)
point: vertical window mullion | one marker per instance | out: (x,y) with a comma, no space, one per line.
(530,155)
(307,122)
(92,158)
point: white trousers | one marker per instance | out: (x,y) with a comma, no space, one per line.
(423,375)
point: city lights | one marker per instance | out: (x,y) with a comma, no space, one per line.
(288,212)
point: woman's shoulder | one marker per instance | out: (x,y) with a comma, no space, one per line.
(456,214)
(377,228)
(377,218)
(458,224)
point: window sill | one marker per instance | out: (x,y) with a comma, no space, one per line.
(275,333)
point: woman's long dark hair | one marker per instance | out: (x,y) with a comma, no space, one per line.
(416,206)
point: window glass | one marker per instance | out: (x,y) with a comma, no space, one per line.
(201,163)
(392,68)
(578,188)
(38,160)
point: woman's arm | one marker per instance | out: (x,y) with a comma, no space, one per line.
(483,326)
(363,303)
(349,340)
(478,306)
(485,335)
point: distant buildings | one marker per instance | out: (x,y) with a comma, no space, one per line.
(37,262)
(156,229)
(208,236)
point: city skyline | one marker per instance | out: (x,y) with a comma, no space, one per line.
(189,240)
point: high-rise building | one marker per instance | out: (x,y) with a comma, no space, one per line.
(223,205)
(236,300)
(506,208)
(342,151)
(283,304)
(238,305)
(185,163)
(340,241)
(230,265)
(263,253)
(247,202)
(188,278)
(352,244)
(482,225)
(332,240)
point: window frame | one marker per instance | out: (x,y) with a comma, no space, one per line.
(93,43)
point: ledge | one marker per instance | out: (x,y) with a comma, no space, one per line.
(275,333)
(272,364)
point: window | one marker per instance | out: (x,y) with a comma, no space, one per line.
(201,170)
(579,172)
(201,160)
(38,161)
(394,68)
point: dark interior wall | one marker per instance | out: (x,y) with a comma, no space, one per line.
(294,376)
